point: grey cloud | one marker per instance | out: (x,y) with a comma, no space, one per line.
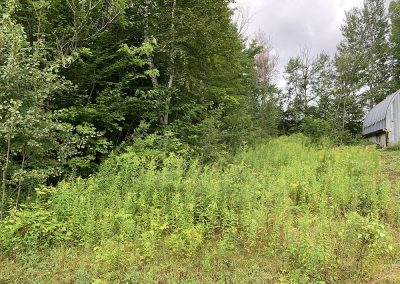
(293,24)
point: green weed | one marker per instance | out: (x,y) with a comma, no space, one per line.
(284,211)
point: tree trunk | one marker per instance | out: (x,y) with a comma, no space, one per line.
(20,181)
(165,117)
(344,114)
(154,80)
(4,175)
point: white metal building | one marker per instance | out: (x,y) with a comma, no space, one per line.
(382,123)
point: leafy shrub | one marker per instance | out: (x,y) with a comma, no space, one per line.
(315,127)
(394,147)
(34,225)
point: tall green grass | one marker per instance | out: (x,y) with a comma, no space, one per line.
(307,214)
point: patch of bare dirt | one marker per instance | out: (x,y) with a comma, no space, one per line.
(390,170)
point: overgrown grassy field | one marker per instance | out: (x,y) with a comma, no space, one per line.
(282,212)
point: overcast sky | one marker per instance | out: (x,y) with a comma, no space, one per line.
(293,24)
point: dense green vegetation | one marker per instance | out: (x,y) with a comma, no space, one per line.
(285,211)
(79,79)
(139,143)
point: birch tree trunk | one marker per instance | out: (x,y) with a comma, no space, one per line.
(154,79)
(164,117)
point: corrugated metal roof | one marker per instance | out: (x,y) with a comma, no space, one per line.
(376,119)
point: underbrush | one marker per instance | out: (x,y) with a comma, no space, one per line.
(282,212)
(394,147)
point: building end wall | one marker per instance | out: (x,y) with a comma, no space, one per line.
(379,139)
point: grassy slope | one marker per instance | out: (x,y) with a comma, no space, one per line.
(391,171)
(282,213)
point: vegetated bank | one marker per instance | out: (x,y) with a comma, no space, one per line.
(283,212)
